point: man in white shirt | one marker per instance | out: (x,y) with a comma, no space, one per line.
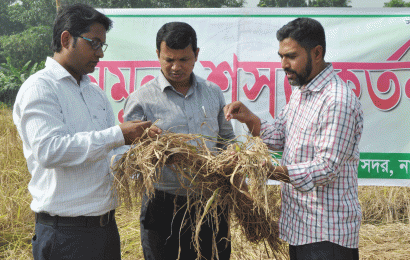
(69,136)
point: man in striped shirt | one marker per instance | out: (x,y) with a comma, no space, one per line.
(319,132)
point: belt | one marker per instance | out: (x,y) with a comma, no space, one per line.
(81,221)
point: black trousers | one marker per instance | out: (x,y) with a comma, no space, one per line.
(164,237)
(55,242)
(323,251)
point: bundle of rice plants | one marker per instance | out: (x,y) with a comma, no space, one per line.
(211,179)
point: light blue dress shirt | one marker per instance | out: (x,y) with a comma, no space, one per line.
(199,112)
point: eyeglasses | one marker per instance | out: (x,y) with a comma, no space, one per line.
(95,44)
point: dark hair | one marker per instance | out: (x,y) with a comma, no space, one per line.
(308,32)
(76,19)
(177,36)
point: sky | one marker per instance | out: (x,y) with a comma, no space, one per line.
(353,3)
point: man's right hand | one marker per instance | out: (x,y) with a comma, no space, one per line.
(237,110)
(133,130)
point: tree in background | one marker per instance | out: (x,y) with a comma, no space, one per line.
(282,3)
(32,44)
(158,3)
(329,3)
(34,12)
(397,3)
(26,35)
(8,26)
(303,3)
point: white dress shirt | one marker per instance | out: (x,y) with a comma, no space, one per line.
(69,135)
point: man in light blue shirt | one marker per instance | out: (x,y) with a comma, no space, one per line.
(183,103)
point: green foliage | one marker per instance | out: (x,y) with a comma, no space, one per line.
(303,3)
(329,3)
(34,13)
(159,3)
(213,3)
(11,78)
(25,33)
(8,25)
(397,3)
(32,44)
(17,16)
(110,3)
(282,3)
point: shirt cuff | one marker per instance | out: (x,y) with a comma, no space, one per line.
(299,179)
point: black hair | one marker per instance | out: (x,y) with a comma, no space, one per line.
(177,36)
(76,19)
(308,32)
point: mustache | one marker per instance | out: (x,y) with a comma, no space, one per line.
(290,70)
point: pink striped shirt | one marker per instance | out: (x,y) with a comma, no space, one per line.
(319,132)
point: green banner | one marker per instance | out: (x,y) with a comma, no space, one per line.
(384,165)
(380,165)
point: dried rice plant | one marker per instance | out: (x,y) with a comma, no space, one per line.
(211,179)
(384,204)
(384,242)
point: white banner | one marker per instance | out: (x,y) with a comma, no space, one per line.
(238,51)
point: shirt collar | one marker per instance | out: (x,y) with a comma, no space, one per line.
(60,72)
(318,82)
(163,83)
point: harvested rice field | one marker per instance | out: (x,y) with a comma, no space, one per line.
(384,233)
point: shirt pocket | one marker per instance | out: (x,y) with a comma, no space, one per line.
(307,122)
(99,117)
(305,132)
(209,128)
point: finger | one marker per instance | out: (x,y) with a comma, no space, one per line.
(153,131)
(135,121)
(143,124)
(156,129)
(228,111)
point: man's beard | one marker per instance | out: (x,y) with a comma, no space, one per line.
(301,79)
